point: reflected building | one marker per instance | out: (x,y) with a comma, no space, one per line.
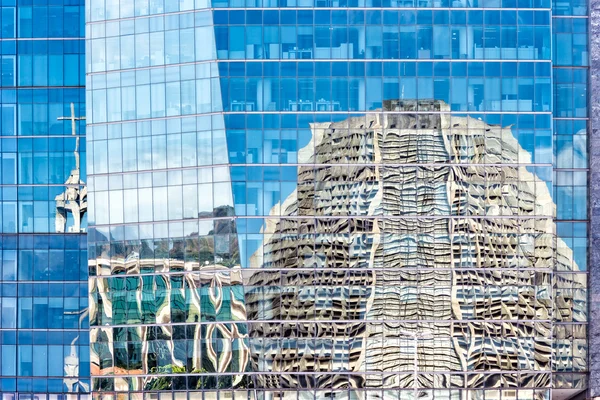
(313,199)
(338,241)
(408,229)
(44,341)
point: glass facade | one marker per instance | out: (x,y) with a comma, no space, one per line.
(44,344)
(570,71)
(320,199)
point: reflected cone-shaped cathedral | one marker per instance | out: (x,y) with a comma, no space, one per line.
(409,229)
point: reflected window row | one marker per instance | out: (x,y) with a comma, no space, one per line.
(336,303)
(378,17)
(324,280)
(40,360)
(60,337)
(45,287)
(440,41)
(272,17)
(42,69)
(578,246)
(99,10)
(42,46)
(572,229)
(382,3)
(333,303)
(26,216)
(319,69)
(324,70)
(398,330)
(177,46)
(134,358)
(41,144)
(328,382)
(570,356)
(321,394)
(250,146)
(37,168)
(323,293)
(144,50)
(274,121)
(325,95)
(42,21)
(492,94)
(334,69)
(177,203)
(41,313)
(43,242)
(570,381)
(162,178)
(43,389)
(277,147)
(307,18)
(99,235)
(492,42)
(110,9)
(257,199)
(32,117)
(194,263)
(43,265)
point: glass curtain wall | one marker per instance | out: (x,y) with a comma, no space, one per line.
(44,347)
(329,199)
(571,71)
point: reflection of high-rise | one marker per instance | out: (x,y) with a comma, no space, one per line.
(404,225)
(44,348)
(337,199)
(407,230)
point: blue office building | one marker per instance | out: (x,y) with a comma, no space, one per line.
(44,350)
(338,199)
(571,124)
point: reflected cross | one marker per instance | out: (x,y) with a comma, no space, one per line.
(73,118)
(74,198)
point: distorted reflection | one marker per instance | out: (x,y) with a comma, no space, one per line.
(407,230)
(71,366)
(74,199)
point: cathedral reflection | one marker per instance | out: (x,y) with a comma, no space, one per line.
(417,251)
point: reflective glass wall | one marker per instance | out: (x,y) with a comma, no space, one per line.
(570,72)
(44,347)
(329,199)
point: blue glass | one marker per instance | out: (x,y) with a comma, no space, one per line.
(570,134)
(43,258)
(239,156)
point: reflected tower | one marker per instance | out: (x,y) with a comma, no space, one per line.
(307,199)
(409,226)
(43,217)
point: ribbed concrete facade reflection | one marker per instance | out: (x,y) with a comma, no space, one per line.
(474,267)
(406,230)
(351,200)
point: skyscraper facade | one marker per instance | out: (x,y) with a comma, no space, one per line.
(44,348)
(570,58)
(316,199)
